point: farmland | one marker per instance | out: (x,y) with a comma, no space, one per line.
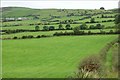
(32,48)
(52,57)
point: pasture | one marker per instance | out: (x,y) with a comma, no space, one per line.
(56,57)
(53,56)
(35,34)
(27,27)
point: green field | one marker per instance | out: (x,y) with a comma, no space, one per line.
(107,24)
(56,57)
(35,34)
(44,13)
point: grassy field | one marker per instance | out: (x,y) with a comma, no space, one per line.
(52,57)
(107,24)
(47,33)
(56,57)
(15,11)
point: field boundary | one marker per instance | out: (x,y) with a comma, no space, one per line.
(92,66)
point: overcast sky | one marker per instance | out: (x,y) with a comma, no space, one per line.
(63,4)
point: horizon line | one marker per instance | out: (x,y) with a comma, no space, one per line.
(51,8)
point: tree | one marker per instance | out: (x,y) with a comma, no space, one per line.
(89,32)
(70,21)
(30,36)
(37,28)
(117,19)
(98,26)
(83,26)
(60,26)
(111,31)
(51,28)
(15,37)
(92,20)
(92,27)
(76,30)
(38,36)
(45,28)
(102,8)
(102,16)
(102,26)
(117,22)
(68,27)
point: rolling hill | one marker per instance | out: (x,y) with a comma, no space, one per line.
(23,11)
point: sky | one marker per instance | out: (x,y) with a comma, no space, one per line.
(63,4)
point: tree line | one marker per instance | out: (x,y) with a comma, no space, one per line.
(76,32)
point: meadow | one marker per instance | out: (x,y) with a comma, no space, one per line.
(56,57)
(50,33)
(27,27)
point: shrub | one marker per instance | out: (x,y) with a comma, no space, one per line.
(43,36)
(92,27)
(111,31)
(24,37)
(92,20)
(30,36)
(98,26)
(83,26)
(89,32)
(51,28)
(38,36)
(90,64)
(8,31)
(37,28)
(45,28)
(82,32)
(102,32)
(104,21)
(76,30)
(15,37)
(60,27)
(68,27)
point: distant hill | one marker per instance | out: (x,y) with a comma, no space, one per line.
(115,10)
(16,11)
(42,13)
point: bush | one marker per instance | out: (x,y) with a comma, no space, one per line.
(76,30)
(91,63)
(102,32)
(83,26)
(60,27)
(92,27)
(45,28)
(37,28)
(92,20)
(30,36)
(89,32)
(15,37)
(43,36)
(8,31)
(38,36)
(51,28)
(24,37)
(98,26)
(111,31)
(68,27)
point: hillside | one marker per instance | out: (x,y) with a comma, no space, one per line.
(16,11)
(22,12)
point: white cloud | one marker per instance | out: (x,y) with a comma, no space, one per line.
(67,4)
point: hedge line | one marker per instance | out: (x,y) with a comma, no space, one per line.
(65,34)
